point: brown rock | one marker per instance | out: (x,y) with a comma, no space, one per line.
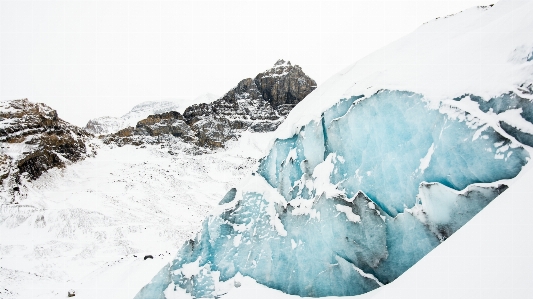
(34,139)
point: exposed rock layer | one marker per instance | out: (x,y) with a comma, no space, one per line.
(33,140)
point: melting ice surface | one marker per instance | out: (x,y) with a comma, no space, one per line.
(350,202)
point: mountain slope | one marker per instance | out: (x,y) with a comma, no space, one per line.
(89,225)
(376,167)
(34,139)
(108,124)
(257,105)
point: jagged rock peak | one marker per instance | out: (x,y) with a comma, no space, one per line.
(284,84)
(258,104)
(282,62)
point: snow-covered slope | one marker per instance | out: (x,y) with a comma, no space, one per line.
(377,167)
(205,98)
(88,226)
(108,124)
(486,51)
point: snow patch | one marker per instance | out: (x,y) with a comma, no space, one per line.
(349,213)
(424,162)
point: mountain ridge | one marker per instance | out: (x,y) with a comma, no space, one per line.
(258,105)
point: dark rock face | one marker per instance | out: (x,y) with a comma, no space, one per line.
(259,105)
(34,139)
(284,85)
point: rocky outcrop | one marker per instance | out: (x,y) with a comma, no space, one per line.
(258,105)
(109,125)
(284,86)
(33,140)
(169,123)
(159,125)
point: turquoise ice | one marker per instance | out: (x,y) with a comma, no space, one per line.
(362,195)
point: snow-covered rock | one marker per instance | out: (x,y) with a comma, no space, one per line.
(33,140)
(256,105)
(108,124)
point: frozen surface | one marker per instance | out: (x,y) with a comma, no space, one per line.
(488,258)
(350,202)
(89,232)
(378,166)
(388,144)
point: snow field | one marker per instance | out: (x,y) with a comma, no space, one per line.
(88,227)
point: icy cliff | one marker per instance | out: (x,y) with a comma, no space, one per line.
(376,167)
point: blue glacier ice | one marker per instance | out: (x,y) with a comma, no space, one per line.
(505,102)
(381,142)
(351,201)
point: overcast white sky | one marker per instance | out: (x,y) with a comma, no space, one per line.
(95,58)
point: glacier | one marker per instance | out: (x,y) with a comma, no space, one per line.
(376,167)
(352,200)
